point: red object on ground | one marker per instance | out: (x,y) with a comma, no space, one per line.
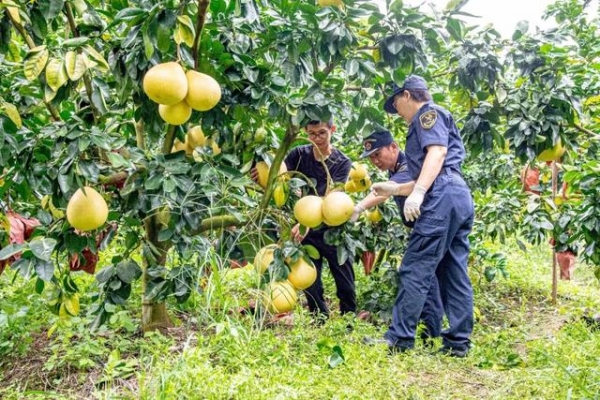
(530,177)
(368,259)
(566,260)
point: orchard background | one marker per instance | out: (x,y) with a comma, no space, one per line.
(73,113)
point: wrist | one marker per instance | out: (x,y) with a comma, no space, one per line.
(359,208)
(419,189)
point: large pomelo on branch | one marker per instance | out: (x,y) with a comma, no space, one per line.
(204,91)
(166,83)
(337,208)
(87,209)
(263,172)
(281,296)
(307,211)
(302,274)
(176,114)
(358,171)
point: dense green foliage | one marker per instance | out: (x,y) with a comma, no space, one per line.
(73,112)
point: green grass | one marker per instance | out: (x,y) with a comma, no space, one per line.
(524,347)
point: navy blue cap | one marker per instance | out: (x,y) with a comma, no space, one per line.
(412,82)
(375,141)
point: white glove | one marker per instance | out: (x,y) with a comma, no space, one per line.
(386,189)
(412,207)
(358,209)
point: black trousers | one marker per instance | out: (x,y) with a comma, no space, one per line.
(343,276)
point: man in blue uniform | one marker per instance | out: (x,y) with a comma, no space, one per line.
(308,160)
(386,155)
(441,205)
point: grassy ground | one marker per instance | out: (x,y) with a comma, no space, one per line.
(524,348)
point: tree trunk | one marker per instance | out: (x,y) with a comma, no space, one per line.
(154,313)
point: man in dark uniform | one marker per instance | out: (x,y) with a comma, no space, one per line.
(441,205)
(386,155)
(308,160)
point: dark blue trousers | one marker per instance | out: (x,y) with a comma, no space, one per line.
(438,247)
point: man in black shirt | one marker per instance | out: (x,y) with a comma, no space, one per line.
(308,160)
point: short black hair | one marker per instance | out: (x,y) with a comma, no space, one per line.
(317,122)
(419,95)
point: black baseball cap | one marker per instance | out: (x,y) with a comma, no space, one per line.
(375,141)
(412,82)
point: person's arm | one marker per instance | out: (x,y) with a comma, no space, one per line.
(375,197)
(391,188)
(432,165)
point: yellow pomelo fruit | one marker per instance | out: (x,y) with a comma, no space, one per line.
(281,296)
(263,172)
(553,154)
(307,211)
(280,194)
(176,114)
(302,274)
(166,83)
(350,186)
(204,91)
(87,209)
(363,184)
(374,216)
(358,171)
(195,137)
(264,257)
(329,3)
(337,208)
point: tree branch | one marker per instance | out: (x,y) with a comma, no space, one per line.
(286,143)
(169,140)
(201,17)
(218,222)
(585,130)
(86,78)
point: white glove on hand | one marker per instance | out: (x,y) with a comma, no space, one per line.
(386,189)
(412,207)
(358,209)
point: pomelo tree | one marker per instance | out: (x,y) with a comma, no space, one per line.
(73,112)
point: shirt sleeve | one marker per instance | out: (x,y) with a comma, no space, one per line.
(340,170)
(292,160)
(433,129)
(402,176)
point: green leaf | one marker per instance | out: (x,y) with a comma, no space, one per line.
(105,274)
(12,113)
(11,250)
(97,58)
(311,251)
(128,271)
(74,65)
(185,30)
(337,357)
(44,270)
(35,61)
(56,75)
(39,286)
(42,248)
